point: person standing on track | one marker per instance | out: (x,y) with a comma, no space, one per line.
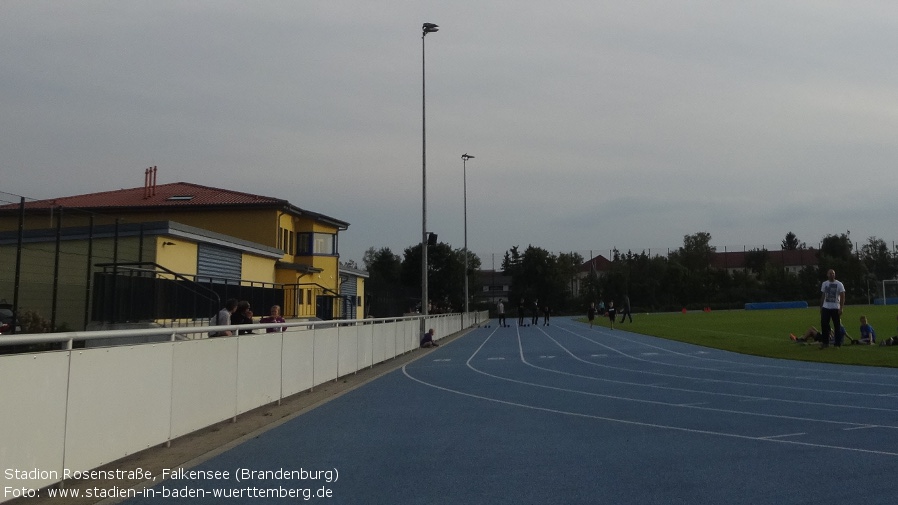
(521,309)
(500,311)
(625,312)
(832,300)
(591,312)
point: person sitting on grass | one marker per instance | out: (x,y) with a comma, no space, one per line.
(815,336)
(868,335)
(427,339)
(893,340)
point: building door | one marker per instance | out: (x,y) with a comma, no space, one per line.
(324,307)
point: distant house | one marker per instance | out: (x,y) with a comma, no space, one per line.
(598,264)
(736,261)
(791,260)
(217,238)
(496,287)
(352,285)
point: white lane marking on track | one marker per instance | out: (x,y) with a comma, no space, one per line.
(632,422)
(772,386)
(771,437)
(721,381)
(443,359)
(495,358)
(731,362)
(636,400)
(864,427)
(710,409)
(636,423)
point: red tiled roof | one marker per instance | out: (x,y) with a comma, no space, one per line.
(176,194)
(599,263)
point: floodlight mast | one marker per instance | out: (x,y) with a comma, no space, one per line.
(425,29)
(465,157)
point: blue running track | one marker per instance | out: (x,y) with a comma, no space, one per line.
(571,415)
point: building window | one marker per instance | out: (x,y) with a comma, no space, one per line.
(312,244)
(286,241)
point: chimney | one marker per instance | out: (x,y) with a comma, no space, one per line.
(149,182)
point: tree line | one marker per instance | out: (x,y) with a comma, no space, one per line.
(684,278)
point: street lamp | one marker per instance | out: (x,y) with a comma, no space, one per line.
(465,157)
(425,29)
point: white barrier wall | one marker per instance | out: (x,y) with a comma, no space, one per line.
(204,389)
(119,403)
(258,370)
(297,361)
(32,417)
(79,409)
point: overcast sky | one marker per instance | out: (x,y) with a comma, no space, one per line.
(594,124)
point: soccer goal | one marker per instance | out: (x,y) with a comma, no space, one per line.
(890,292)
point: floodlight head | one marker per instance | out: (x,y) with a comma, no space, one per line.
(466,157)
(429,28)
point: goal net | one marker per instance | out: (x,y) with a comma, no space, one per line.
(890,292)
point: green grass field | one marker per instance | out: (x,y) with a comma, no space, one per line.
(766,332)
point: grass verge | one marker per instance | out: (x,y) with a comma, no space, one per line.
(766,332)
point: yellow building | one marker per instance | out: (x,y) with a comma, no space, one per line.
(85,258)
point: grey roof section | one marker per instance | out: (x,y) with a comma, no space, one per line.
(155,228)
(353,271)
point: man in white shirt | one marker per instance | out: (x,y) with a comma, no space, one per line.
(831,302)
(223,318)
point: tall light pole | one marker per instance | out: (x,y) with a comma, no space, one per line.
(464,162)
(425,29)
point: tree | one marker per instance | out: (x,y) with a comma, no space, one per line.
(836,247)
(878,259)
(539,274)
(695,257)
(697,251)
(791,243)
(445,276)
(836,253)
(757,260)
(511,261)
(383,290)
